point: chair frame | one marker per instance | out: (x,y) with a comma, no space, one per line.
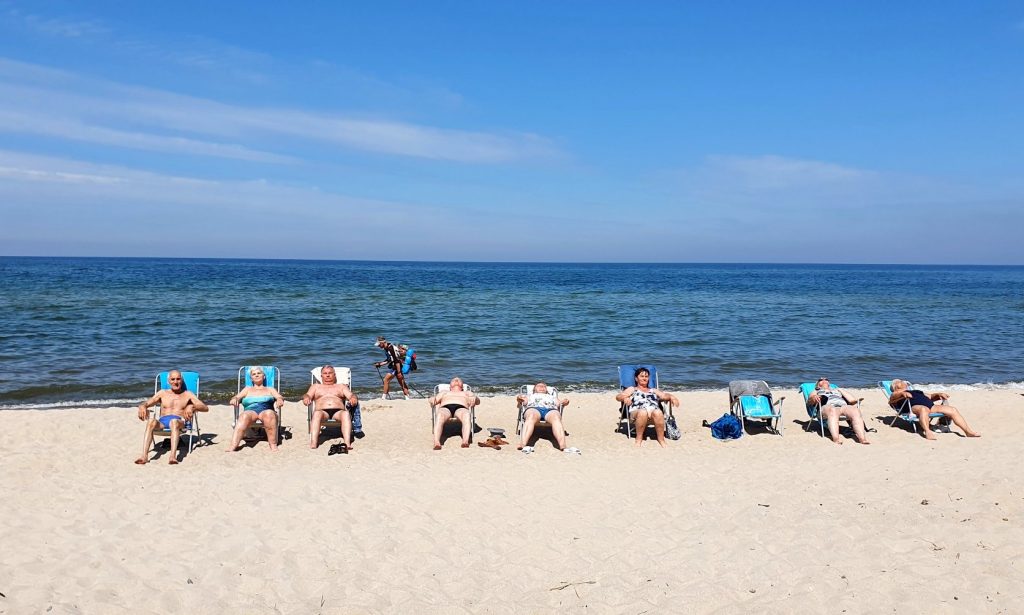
(273,375)
(774,422)
(344,377)
(526,390)
(904,411)
(444,387)
(627,376)
(191,427)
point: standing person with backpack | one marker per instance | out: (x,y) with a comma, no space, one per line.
(399,360)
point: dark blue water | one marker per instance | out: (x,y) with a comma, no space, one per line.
(95,330)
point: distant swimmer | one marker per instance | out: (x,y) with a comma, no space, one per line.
(177,404)
(923,405)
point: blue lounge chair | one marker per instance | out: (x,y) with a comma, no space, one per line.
(625,381)
(814,412)
(191,427)
(344,375)
(751,400)
(526,390)
(273,379)
(903,411)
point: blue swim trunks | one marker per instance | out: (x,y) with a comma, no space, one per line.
(166,420)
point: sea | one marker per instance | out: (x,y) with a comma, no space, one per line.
(91,332)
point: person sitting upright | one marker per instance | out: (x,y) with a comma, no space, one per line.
(836,403)
(176,407)
(455,403)
(642,403)
(923,404)
(542,406)
(258,402)
(333,401)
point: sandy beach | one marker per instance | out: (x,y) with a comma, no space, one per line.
(790,524)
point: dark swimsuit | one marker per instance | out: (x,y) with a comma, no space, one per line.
(453,408)
(919,398)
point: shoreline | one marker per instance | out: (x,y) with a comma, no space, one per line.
(370,395)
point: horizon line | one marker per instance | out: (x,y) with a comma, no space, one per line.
(507,262)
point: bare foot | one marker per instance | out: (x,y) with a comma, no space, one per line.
(140,461)
(519,448)
(437,447)
(972,434)
(273,449)
(865,441)
(662,443)
(173,462)
(930,436)
(639,443)
(465,445)
(838,440)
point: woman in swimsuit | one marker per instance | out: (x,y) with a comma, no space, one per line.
(642,402)
(923,405)
(540,405)
(258,402)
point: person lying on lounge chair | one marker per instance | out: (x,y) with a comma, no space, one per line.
(836,403)
(642,403)
(542,406)
(456,403)
(258,402)
(176,407)
(923,404)
(333,402)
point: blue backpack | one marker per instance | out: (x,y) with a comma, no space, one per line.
(728,427)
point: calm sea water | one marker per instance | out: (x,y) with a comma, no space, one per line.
(95,331)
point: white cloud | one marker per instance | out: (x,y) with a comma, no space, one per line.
(100,111)
(58,27)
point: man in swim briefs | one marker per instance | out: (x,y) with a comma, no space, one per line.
(333,401)
(177,404)
(454,403)
(541,405)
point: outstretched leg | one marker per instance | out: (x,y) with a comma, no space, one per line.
(442,418)
(245,419)
(147,441)
(640,419)
(924,421)
(554,419)
(346,427)
(959,420)
(269,418)
(659,426)
(467,425)
(529,422)
(314,428)
(831,414)
(856,420)
(176,426)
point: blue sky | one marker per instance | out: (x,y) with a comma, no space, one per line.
(864,132)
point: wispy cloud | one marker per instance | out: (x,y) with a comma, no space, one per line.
(48,101)
(56,26)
